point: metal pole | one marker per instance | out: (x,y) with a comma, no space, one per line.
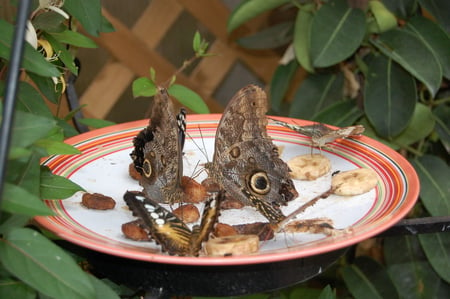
(11,87)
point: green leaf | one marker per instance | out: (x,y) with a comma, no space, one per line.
(365,278)
(47,87)
(434,192)
(188,98)
(54,147)
(410,52)
(143,87)
(63,54)
(337,31)
(30,100)
(384,19)
(23,173)
(87,12)
(196,42)
(56,187)
(29,127)
(327,293)
(74,38)
(102,290)
(403,9)
(10,221)
(410,272)
(440,10)
(49,21)
(389,97)
(33,61)
(18,152)
(434,38)
(13,288)
(421,125)
(302,40)
(441,113)
(437,250)
(317,92)
(280,84)
(17,200)
(44,266)
(249,9)
(269,38)
(96,123)
(340,114)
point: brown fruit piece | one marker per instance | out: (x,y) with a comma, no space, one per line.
(98,201)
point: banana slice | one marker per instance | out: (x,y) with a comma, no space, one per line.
(354,182)
(232,245)
(309,167)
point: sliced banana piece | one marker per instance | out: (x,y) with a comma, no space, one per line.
(354,182)
(309,167)
(232,245)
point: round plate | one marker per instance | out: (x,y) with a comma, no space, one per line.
(103,168)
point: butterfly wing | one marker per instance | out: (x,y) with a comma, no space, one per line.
(246,163)
(157,154)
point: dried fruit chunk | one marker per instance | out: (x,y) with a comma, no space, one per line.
(98,201)
(188,213)
(134,174)
(232,245)
(134,230)
(224,230)
(309,167)
(194,191)
(354,182)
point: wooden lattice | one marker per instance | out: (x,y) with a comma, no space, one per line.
(133,52)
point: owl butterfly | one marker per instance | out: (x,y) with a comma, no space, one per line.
(246,163)
(158,148)
(157,156)
(321,134)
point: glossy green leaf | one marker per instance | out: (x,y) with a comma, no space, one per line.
(409,270)
(327,293)
(102,290)
(74,38)
(389,96)
(30,100)
(436,40)
(269,38)
(341,114)
(41,264)
(440,10)
(437,249)
(421,125)
(189,98)
(13,288)
(10,221)
(302,40)
(279,84)
(29,127)
(96,123)
(410,52)
(33,61)
(317,92)
(248,9)
(441,115)
(434,174)
(64,55)
(384,20)
(336,33)
(24,172)
(49,21)
(143,87)
(18,152)
(47,87)
(402,9)
(87,12)
(365,278)
(55,186)
(17,200)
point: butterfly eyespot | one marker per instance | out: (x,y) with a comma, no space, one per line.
(163,160)
(147,168)
(235,152)
(152,154)
(259,183)
(251,160)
